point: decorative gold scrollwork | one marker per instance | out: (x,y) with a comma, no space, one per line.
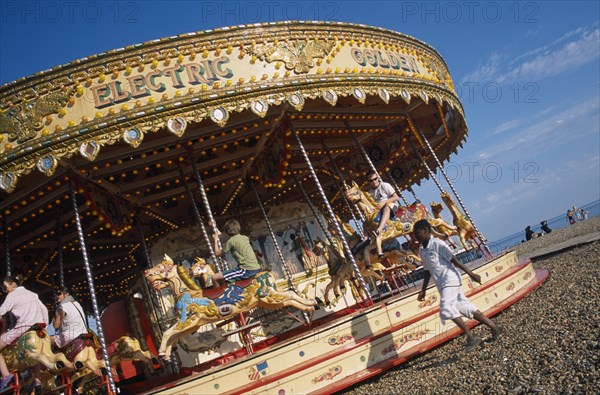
(25,119)
(296,55)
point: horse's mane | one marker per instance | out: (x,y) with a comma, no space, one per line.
(369,198)
(347,228)
(185,277)
(213,267)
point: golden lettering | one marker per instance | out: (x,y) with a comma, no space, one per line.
(136,83)
(194,72)
(117,95)
(150,77)
(173,72)
(101,95)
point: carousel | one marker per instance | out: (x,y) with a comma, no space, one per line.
(117,170)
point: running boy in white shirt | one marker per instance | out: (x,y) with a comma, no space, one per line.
(441,264)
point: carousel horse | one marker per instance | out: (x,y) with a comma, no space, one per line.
(81,351)
(418,211)
(129,349)
(335,258)
(466,231)
(446,229)
(197,307)
(87,351)
(340,269)
(400,226)
(33,347)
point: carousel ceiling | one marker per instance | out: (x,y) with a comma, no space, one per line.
(129,128)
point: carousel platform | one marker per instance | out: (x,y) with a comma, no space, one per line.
(338,351)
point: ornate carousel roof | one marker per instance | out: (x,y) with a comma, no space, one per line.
(127,127)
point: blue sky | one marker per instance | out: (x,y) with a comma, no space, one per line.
(528,74)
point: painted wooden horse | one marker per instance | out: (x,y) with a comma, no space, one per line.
(86,350)
(417,211)
(129,349)
(196,308)
(401,225)
(466,231)
(34,347)
(395,227)
(340,270)
(445,228)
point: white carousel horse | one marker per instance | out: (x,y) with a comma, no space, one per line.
(196,309)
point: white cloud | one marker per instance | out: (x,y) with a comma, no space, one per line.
(569,52)
(549,63)
(510,195)
(506,197)
(486,71)
(508,125)
(561,39)
(542,131)
(534,32)
(513,123)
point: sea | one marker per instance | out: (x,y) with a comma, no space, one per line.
(554,223)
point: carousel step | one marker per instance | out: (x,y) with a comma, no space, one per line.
(241,329)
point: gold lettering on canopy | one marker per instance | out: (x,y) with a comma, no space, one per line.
(385,59)
(180,76)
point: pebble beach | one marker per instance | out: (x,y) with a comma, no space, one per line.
(551,343)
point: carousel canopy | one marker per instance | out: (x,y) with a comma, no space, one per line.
(127,128)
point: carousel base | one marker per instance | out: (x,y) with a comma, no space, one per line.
(335,352)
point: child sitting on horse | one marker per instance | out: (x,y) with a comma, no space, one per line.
(239,246)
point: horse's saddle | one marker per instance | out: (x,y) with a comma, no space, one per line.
(218,293)
(76,345)
(40,328)
(402,210)
(335,267)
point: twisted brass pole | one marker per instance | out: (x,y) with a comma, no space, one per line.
(90,280)
(336,224)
